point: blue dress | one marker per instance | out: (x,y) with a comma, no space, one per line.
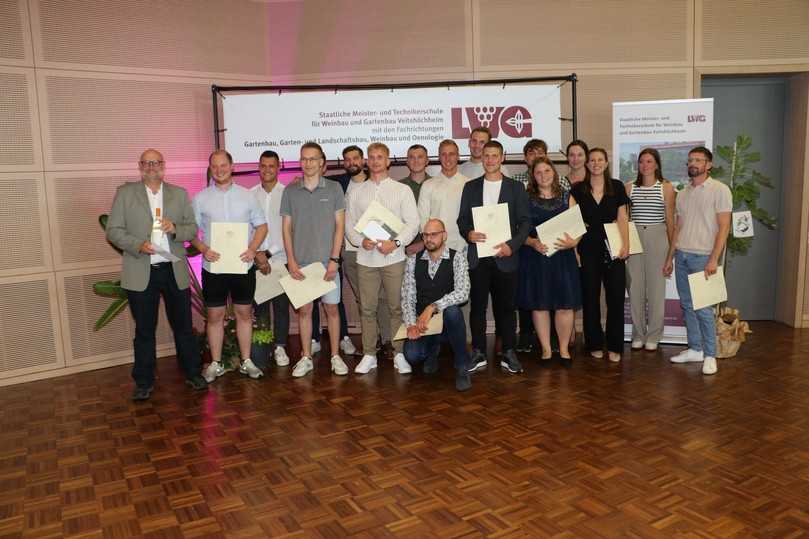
(547,283)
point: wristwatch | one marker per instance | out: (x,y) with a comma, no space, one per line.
(398,243)
(335,259)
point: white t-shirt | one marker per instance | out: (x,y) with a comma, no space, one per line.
(156,201)
(491,192)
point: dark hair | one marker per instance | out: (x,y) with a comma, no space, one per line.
(314,146)
(658,171)
(494,144)
(269,154)
(703,150)
(418,147)
(581,144)
(481,129)
(608,190)
(353,148)
(535,144)
(221,152)
(533,184)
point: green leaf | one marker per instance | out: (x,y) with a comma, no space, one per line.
(109,289)
(112,311)
(102,220)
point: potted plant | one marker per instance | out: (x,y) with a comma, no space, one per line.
(262,342)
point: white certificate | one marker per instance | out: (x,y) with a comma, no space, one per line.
(707,292)
(383,216)
(309,289)
(269,286)
(615,243)
(492,220)
(554,229)
(434,327)
(230,241)
(376,231)
(165,254)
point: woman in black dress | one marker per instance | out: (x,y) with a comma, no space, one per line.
(602,200)
(548,283)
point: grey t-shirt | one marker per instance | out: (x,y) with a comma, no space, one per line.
(312,214)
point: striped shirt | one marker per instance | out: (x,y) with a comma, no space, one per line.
(395,196)
(648,206)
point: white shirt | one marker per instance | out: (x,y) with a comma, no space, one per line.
(271,204)
(491,192)
(155,202)
(351,186)
(395,196)
(440,198)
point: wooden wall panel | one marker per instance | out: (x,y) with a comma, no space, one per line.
(514,34)
(153,36)
(20,147)
(746,32)
(24,224)
(15,35)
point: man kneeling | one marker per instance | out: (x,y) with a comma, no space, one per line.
(436,280)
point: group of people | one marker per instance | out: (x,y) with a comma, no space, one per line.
(431,265)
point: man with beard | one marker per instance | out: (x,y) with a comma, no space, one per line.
(436,280)
(702,223)
(147,275)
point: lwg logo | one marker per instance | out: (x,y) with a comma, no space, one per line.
(513,121)
(696,118)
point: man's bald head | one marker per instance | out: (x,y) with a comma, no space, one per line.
(151,165)
(434,235)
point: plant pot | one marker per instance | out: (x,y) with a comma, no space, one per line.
(260,354)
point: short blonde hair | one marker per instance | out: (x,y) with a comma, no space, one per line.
(378,146)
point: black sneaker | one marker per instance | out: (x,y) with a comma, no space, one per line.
(478,361)
(142,393)
(431,365)
(525,344)
(510,362)
(463,381)
(196,382)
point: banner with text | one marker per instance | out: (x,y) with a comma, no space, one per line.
(672,128)
(400,117)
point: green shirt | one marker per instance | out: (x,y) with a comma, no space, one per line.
(414,185)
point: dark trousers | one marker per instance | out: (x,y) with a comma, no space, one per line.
(487,279)
(526,325)
(594,272)
(428,346)
(144,306)
(341,308)
(280,317)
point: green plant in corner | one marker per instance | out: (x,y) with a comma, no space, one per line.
(745,184)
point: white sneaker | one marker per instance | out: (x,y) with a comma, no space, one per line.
(366,364)
(338,367)
(315,347)
(401,364)
(651,346)
(709,365)
(213,371)
(302,367)
(637,345)
(687,356)
(347,346)
(281,357)
(249,369)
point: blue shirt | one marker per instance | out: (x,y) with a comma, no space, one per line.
(235,204)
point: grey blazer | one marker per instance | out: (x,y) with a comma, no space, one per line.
(130,224)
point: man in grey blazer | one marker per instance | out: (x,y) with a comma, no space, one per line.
(150,219)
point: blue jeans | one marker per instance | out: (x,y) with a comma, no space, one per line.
(416,351)
(700,324)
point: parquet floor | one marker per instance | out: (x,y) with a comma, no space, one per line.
(639,449)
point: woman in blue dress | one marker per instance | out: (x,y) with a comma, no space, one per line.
(549,283)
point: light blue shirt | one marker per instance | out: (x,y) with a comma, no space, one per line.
(235,204)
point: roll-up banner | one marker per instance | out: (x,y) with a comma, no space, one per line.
(672,128)
(400,117)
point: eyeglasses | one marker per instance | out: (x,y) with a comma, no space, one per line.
(310,159)
(431,234)
(153,164)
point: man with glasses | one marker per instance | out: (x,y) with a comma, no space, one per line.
(702,223)
(145,237)
(226,202)
(436,281)
(313,212)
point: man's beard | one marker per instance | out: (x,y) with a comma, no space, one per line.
(693,172)
(353,170)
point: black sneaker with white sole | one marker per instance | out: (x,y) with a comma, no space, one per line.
(478,361)
(510,363)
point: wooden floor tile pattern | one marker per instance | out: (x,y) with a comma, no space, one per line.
(640,449)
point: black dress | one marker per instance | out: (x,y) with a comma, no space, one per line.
(547,283)
(597,267)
